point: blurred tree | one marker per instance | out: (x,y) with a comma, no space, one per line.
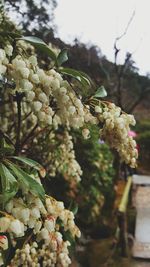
(32,14)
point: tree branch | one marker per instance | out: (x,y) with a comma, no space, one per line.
(138,100)
(29,135)
(18,100)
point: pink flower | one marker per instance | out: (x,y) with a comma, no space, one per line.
(132,133)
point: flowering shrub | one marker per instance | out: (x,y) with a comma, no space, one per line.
(43,104)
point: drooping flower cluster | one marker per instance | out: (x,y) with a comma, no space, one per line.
(46,243)
(115,131)
(32,255)
(42,88)
(63,161)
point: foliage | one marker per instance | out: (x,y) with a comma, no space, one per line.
(96,185)
(32,14)
(143,141)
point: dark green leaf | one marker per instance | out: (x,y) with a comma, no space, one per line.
(73,207)
(41,45)
(27,181)
(62,57)
(32,164)
(100,92)
(68,236)
(76,75)
(9,184)
(5,148)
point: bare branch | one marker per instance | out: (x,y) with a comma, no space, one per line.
(138,100)
(127,27)
(120,70)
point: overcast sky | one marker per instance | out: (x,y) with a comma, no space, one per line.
(101,21)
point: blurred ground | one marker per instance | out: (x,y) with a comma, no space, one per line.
(98,254)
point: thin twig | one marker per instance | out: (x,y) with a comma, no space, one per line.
(127,27)
(29,136)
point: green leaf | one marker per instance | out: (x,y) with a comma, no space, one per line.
(32,164)
(62,57)
(5,148)
(41,45)
(100,92)
(73,207)
(76,75)
(33,40)
(88,78)
(9,184)
(68,236)
(27,181)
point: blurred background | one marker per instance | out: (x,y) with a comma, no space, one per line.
(110,41)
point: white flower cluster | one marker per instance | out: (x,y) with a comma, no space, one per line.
(4,54)
(42,88)
(32,255)
(115,131)
(31,213)
(64,161)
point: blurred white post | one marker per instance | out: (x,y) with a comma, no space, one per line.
(141,199)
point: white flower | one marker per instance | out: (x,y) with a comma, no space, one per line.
(2,69)
(41,74)
(49,119)
(63,90)
(9,206)
(37,226)
(98,109)
(44,234)
(60,205)
(32,222)
(86,133)
(41,115)
(37,105)
(3,242)
(8,50)
(16,212)
(30,96)
(34,78)
(17,228)
(24,72)
(33,60)
(65,98)
(59,237)
(49,225)
(78,103)
(26,85)
(2,55)
(71,110)
(35,213)
(20,64)
(4,224)
(24,214)
(42,97)
(55,84)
